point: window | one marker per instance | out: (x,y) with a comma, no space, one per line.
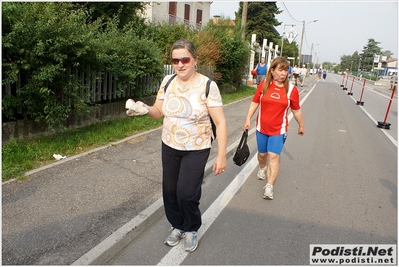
(172,12)
(198,20)
(199,16)
(186,13)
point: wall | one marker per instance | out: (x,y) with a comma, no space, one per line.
(25,129)
(158,12)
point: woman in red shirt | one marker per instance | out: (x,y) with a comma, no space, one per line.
(275,96)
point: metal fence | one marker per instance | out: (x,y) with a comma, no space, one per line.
(102,87)
(97,87)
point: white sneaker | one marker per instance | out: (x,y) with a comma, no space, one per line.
(190,241)
(262,173)
(268,191)
(174,238)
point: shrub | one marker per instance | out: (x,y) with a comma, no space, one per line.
(43,41)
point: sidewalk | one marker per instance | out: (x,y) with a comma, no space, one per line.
(65,209)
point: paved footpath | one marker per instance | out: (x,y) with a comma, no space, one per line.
(65,209)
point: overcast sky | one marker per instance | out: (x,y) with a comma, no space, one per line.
(342,28)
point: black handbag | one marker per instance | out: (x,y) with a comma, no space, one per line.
(242,151)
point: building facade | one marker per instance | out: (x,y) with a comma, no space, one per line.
(194,14)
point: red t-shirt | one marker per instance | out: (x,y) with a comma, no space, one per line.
(274,107)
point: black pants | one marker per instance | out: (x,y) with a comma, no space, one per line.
(183,173)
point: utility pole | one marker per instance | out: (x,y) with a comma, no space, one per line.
(300,48)
(244,19)
(303,33)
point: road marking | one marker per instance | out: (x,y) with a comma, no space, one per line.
(177,254)
(374,120)
(376,123)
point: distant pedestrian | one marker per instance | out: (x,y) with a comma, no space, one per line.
(296,72)
(319,74)
(186,141)
(302,76)
(260,69)
(324,74)
(289,72)
(274,97)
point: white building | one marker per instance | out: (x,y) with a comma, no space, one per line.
(194,14)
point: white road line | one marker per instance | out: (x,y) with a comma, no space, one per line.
(376,123)
(374,120)
(177,254)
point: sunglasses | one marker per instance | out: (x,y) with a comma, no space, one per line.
(184,60)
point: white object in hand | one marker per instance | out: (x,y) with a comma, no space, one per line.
(135,108)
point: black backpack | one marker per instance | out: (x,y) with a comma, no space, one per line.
(208,84)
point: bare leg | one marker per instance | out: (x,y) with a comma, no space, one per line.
(262,159)
(273,167)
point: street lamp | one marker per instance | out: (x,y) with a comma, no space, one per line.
(311,54)
(316,58)
(303,32)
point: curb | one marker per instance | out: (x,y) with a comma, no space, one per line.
(107,249)
(48,166)
(113,244)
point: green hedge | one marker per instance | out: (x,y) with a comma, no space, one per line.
(42,41)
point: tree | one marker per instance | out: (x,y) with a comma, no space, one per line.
(261,21)
(39,41)
(44,41)
(232,56)
(290,49)
(369,51)
(108,11)
(387,53)
(164,35)
(54,47)
(328,65)
(350,63)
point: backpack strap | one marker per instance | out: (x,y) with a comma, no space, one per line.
(208,85)
(168,82)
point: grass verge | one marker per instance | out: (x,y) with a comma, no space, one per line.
(20,156)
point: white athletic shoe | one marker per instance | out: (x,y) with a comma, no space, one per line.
(268,191)
(190,241)
(262,173)
(174,238)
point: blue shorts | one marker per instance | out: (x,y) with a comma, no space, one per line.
(268,143)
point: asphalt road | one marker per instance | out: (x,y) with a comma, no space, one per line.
(337,185)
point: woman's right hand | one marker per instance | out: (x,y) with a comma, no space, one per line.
(246,125)
(135,108)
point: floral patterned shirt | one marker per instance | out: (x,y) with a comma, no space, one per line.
(186,124)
